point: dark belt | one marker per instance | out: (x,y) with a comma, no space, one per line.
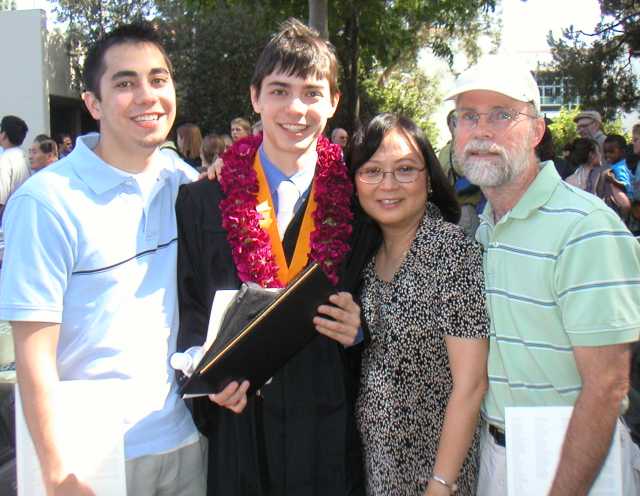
(497,435)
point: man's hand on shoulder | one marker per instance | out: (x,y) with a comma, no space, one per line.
(213,171)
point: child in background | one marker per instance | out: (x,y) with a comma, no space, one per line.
(614,152)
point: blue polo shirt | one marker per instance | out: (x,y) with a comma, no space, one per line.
(85,249)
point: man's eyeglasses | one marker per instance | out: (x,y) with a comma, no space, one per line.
(584,125)
(498,119)
(375,175)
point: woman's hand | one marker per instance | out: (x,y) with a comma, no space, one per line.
(344,319)
(233,397)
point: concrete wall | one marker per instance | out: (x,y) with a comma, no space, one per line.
(24,84)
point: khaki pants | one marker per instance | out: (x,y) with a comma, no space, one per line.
(182,472)
(492,477)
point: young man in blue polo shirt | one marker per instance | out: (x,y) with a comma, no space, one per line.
(89,280)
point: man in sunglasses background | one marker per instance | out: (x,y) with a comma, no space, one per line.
(561,323)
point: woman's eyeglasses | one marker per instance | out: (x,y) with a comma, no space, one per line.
(375,175)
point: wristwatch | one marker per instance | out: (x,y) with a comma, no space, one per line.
(452,486)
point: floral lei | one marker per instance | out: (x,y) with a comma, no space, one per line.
(250,244)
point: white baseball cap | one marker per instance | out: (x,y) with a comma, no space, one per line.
(502,74)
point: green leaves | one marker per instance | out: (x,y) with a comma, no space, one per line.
(599,62)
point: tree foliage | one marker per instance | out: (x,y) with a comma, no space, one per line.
(213,51)
(88,20)
(374,36)
(409,92)
(214,44)
(599,63)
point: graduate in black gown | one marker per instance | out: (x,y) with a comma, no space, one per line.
(297,436)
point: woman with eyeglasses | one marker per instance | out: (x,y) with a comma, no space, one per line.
(424,368)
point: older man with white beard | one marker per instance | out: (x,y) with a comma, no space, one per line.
(561,322)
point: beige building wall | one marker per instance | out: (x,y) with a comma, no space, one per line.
(24,81)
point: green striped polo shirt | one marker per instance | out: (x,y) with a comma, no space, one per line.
(561,270)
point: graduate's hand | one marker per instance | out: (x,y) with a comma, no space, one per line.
(233,397)
(346,319)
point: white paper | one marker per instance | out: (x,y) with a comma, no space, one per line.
(89,429)
(534,438)
(221,301)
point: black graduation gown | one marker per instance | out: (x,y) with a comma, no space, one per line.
(299,437)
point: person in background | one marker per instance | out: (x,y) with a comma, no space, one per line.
(468,195)
(189,140)
(561,320)
(227,141)
(634,218)
(567,149)
(596,179)
(13,165)
(65,144)
(212,147)
(240,128)
(424,368)
(615,150)
(585,159)
(589,125)
(340,137)
(42,153)
(256,128)
(546,151)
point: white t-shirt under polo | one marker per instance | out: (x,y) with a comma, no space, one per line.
(84,249)
(13,172)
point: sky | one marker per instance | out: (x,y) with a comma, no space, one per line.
(527,24)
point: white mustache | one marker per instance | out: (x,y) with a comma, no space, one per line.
(484,146)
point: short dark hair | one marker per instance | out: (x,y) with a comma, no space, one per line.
(582,147)
(59,138)
(545,150)
(94,65)
(367,140)
(15,129)
(297,50)
(617,139)
(48,146)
